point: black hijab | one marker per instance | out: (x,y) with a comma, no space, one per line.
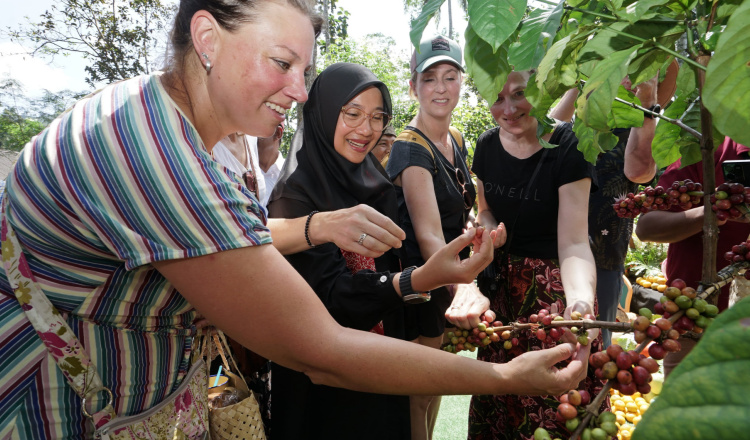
(315,176)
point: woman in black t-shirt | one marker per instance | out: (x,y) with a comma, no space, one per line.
(548,263)
(435,197)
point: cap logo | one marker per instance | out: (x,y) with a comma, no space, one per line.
(440,44)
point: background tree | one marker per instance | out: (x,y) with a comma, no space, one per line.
(22,117)
(119,39)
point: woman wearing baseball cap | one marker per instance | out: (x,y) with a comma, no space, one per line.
(435,197)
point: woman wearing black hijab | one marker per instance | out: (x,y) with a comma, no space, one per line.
(330,167)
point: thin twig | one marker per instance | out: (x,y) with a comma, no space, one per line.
(676,122)
(592,410)
(582,324)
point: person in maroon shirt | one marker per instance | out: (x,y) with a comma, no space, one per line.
(683,230)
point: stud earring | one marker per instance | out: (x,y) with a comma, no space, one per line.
(208,63)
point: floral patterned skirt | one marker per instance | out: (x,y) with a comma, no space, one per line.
(526,286)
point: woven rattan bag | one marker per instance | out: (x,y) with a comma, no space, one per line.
(241,420)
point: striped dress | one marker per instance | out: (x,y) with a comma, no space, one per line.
(120,181)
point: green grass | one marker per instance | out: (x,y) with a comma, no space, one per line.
(453,418)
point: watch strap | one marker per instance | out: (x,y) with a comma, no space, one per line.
(407,291)
(656,108)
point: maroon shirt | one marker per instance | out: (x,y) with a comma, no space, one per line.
(684,258)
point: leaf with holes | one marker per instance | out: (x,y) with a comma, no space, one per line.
(707,396)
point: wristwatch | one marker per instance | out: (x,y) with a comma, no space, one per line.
(407,292)
(656,108)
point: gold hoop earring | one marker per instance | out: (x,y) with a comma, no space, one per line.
(208,63)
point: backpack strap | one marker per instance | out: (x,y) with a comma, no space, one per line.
(417,138)
(457,136)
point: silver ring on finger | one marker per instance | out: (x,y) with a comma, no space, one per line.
(362,238)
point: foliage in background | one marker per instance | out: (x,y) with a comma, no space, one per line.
(644,258)
(22,117)
(119,39)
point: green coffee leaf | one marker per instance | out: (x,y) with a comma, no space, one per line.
(648,63)
(420,23)
(708,395)
(687,86)
(611,39)
(690,150)
(600,90)
(636,10)
(494,21)
(623,115)
(587,143)
(489,69)
(726,92)
(725,9)
(537,33)
(664,147)
(549,62)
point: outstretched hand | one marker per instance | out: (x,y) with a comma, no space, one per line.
(583,308)
(498,235)
(360,229)
(468,305)
(534,372)
(446,266)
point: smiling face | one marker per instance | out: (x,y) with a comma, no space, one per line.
(438,89)
(511,110)
(353,143)
(258,72)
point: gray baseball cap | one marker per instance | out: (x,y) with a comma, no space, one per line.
(434,50)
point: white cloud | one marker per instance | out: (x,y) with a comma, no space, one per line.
(36,73)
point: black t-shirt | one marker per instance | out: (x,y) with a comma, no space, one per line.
(610,234)
(505,178)
(453,213)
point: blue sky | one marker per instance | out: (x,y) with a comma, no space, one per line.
(384,16)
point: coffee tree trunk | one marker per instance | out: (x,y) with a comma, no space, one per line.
(710,228)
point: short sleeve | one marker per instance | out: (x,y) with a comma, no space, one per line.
(407,154)
(484,145)
(133,182)
(572,165)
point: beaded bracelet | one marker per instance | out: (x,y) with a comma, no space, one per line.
(307,228)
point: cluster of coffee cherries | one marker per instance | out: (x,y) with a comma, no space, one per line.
(740,252)
(572,410)
(727,198)
(683,193)
(698,313)
(542,329)
(482,335)
(629,371)
(539,325)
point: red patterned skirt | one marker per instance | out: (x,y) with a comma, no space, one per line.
(526,286)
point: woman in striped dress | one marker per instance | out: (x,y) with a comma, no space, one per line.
(130,228)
